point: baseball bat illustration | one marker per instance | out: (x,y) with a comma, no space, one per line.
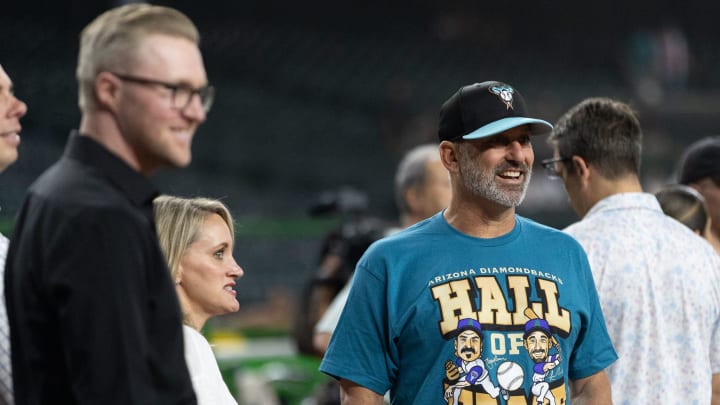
(530,314)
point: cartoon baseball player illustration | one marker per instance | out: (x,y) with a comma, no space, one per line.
(538,340)
(468,368)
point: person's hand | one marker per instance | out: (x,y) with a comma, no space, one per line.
(452,372)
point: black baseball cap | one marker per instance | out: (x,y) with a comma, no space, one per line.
(701,160)
(484,109)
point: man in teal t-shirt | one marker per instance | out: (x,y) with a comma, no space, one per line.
(475,305)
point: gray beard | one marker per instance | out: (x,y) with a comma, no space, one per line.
(482,183)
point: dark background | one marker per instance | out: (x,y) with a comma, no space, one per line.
(316,95)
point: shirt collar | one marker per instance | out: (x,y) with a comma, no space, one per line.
(624,201)
(87,150)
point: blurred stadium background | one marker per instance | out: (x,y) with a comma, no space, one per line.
(318,95)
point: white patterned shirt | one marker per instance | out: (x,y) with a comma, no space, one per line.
(659,287)
(6,395)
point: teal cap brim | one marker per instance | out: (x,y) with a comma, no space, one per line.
(537,127)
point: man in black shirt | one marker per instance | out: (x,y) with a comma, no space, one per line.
(11,110)
(93,313)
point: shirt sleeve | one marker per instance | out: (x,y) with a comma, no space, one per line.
(359,349)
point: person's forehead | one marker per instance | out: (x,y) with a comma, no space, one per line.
(515,132)
(710,181)
(469,334)
(167,52)
(538,334)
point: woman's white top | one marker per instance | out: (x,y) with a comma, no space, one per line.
(209,386)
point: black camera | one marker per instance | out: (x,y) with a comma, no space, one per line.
(357,229)
(341,249)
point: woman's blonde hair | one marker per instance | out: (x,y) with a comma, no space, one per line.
(110,41)
(178,221)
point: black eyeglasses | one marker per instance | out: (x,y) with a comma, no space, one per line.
(180,94)
(550,166)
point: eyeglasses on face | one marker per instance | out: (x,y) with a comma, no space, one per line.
(180,94)
(550,166)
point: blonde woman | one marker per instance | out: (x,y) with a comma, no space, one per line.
(197,235)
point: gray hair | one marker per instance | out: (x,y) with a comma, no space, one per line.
(412,172)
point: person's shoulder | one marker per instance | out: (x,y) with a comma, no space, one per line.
(68,181)
(586,229)
(90,204)
(683,237)
(400,238)
(530,225)
(548,235)
(418,229)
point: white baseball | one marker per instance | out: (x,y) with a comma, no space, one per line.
(510,375)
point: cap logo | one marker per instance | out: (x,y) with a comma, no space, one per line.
(505,93)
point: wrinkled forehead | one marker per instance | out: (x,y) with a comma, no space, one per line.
(469,334)
(538,335)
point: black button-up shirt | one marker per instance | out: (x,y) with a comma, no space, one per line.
(93,313)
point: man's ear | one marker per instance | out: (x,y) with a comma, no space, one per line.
(448,156)
(106,90)
(581,168)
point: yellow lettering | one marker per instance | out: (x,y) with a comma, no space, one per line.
(555,316)
(455,303)
(516,342)
(502,345)
(497,344)
(493,307)
(520,288)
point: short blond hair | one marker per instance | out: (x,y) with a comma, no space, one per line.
(178,221)
(112,39)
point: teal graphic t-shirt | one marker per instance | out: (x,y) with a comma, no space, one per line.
(437,316)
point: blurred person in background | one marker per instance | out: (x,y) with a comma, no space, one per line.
(700,169)
(341,248)
(93,313)
(422,189)
(11,110)
(685,204)
(658,282)
(479,265)
(422,185)
(197,237)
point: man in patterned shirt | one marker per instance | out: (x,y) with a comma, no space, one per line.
(11,110)
(658,282)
